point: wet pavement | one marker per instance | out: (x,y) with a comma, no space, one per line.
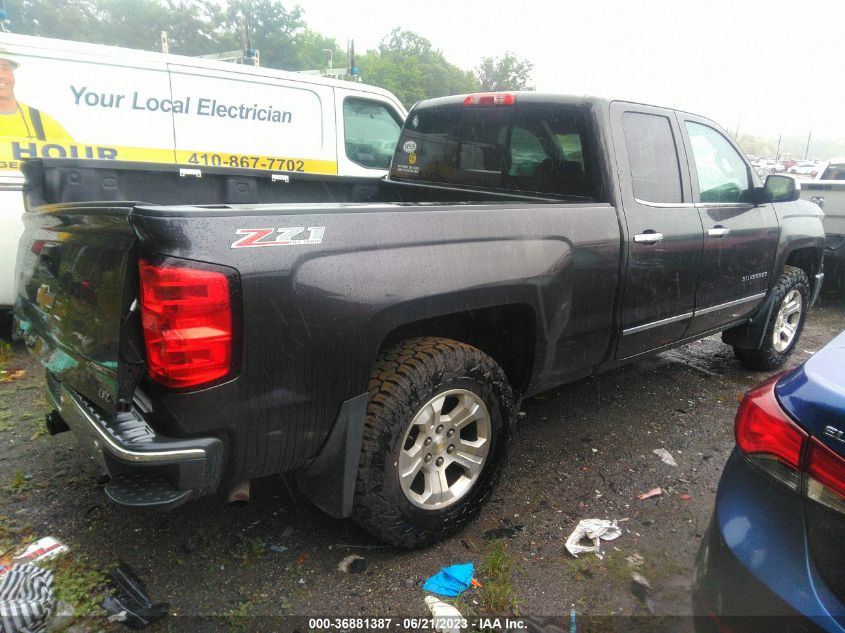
(584,450)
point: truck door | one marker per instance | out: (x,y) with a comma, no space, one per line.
(740,239)
(663,229)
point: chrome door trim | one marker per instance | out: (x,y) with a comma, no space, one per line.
(653,324)
(729,304)
(695,313)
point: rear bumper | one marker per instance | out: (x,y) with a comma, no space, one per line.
(146,469)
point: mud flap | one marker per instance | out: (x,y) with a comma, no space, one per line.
(750,335)
(329,480)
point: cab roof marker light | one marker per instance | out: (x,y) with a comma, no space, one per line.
(490,98)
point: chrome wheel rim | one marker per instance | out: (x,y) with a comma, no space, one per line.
(786,323)
(444,449)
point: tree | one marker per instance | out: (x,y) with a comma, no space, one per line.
(504,73)
(406,64)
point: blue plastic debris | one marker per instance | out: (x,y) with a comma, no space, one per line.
(451,581)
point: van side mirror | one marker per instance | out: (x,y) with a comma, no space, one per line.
(782,188)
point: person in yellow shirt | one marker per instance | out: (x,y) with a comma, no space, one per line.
(20,120)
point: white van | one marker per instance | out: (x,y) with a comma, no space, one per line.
(66,99)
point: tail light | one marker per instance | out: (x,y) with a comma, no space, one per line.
(825,476)
(186,315)
(490,98)
(769,438)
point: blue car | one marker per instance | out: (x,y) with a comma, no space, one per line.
(773,557)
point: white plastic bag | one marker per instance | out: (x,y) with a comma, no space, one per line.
(596,530)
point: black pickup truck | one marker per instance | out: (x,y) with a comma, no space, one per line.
(202,328)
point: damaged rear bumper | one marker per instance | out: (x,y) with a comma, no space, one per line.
(146,469)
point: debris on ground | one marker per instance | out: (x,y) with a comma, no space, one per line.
(635,560)
(42,549)
(686,497)
(353,564)
(60,618)
(640,586)
(127,601)
(9,375)
(508,531)
(445,617)
(279,549)
(26,598)
(451,581)
(665,456)
(595,530)
(654,492)
(287,532)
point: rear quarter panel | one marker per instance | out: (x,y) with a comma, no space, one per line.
(315,316)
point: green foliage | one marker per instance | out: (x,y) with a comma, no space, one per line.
(77,582)
(504,73)
(406,64)
(498,598)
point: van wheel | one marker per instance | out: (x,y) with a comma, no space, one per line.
(792,295)
(434,440)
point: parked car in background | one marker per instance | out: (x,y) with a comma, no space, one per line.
(828,191)
(804,168)
(766,167)
(772,558)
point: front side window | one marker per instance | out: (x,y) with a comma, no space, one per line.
(722,173)
(370,130)
(655,171)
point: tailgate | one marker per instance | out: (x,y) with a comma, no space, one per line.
(830,196)
(72,294)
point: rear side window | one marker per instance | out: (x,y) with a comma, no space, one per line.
(537,149)
(834,172)
(370,132)
(653,157)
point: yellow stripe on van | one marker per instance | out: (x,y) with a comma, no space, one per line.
(13,151)
(255,161)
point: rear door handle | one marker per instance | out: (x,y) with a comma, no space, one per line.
(649,237)
(718,231)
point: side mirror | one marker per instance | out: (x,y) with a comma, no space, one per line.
(782,188)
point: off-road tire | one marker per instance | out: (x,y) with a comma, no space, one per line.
(405,377)
(767,357)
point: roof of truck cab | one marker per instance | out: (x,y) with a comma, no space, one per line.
(119,55)
(525,96)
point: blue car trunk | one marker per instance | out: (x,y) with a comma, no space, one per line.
(814,395)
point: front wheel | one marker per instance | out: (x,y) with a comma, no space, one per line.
(434,440)
(792,295)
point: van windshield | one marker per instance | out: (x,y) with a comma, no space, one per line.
(540,149)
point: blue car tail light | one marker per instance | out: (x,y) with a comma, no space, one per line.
(775,444)
(768,437)
(825,476)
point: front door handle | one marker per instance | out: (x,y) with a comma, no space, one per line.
(649,237)
(718,231)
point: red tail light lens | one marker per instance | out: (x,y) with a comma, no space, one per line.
(186,315)
(490,98)
(767,436)
(825,476)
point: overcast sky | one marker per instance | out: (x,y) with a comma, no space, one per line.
(767,66)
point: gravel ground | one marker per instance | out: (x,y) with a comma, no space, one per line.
(580,451)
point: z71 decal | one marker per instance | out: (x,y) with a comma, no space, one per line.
(286,236)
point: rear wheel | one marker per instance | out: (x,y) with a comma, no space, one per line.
(785,324)
(434,440)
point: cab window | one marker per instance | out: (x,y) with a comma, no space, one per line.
(655,170)
(371,130)
(723,175)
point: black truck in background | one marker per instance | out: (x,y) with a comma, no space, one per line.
(204,328)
